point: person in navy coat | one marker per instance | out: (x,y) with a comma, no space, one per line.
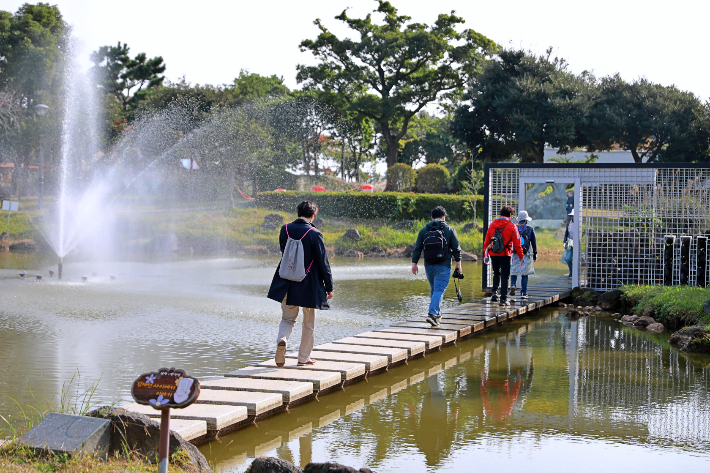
(310,294)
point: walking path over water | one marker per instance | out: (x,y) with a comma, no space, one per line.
(247,395)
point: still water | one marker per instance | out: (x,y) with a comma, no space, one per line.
(542,393)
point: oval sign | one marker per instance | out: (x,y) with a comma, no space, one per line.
(166,388)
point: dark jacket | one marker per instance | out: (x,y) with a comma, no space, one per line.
(311,292)
(511,238)
(454,249)
(533,239)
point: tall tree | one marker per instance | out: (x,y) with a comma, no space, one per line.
(33,46)
(521,102)
(654,122)
(393,70)
(130,81)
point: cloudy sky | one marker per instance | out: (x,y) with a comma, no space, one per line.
(210,41)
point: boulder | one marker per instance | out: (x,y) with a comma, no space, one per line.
(693,339)
(353,254)
(272,465)
(332,468)
(140,435)
(584,297)
(269,226)
(706,307)
(469,227)
(561,304)
(408,251)
(657,327)
(276,219)
(404,224)
(611,300)
(597,308)
(466,256)
(616,314)
(351,234)
(576,313)
(23,246)
(318,222)
(629,319)
(644,321)
(376,251)
(4,235)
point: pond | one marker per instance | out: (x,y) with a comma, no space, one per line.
(537,390)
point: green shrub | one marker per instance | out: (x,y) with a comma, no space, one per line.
(366,205)
(401,177)
(433,178)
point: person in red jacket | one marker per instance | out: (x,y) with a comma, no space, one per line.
(500,261)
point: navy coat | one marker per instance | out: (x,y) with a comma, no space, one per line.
(311,292)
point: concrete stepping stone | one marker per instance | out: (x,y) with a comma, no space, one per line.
(446,336)
(188,429)
(461,329)
(413,348)
(476,325)
(257,403)
(290,390)
(321,379)
(347,371)
(430,341)
(217,417)
(393,354)
(371,362)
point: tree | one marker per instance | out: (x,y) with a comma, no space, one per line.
(395,69)
(129,80)
(353,142)
(430,138)
(521,102)
(654,122)
(33,45)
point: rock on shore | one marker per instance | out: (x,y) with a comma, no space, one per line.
(694,339)
(276,465)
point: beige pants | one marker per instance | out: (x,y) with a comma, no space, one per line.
(288,320)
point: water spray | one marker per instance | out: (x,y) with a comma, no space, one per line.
(60,267)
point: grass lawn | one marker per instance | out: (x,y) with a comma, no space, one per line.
(241,228)
(671,305)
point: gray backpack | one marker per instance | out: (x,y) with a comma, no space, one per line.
(292,267)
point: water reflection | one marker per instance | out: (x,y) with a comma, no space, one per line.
(544,389)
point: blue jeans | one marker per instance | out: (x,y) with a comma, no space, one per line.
(571,259)
(438,276)
(523,283)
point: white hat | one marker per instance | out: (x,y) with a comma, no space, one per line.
(571,213)
(523,215)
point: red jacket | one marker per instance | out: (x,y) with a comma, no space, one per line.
(511,237)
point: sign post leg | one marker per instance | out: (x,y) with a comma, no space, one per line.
(164,450)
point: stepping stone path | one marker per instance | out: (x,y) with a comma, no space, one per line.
(254,392)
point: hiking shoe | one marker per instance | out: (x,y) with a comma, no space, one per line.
(280,357)
(494,297)
(433,320)
(512,290)
(524,296)
(503,303)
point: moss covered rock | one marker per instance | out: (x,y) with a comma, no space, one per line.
(695,339)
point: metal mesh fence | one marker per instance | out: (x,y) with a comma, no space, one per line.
(624,215)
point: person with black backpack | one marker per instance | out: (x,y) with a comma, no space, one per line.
(438,243)
(306,281)
(525,267)
(501,240)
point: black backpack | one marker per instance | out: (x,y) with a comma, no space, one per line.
(497,245)
(525,237)
(435,246)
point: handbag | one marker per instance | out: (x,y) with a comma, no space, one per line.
(566,256)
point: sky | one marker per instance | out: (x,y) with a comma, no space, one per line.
(210,41)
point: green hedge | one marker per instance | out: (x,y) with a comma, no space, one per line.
(390,205)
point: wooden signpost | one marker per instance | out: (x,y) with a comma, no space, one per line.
(165,389)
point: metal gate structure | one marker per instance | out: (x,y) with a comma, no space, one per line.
(637,223)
